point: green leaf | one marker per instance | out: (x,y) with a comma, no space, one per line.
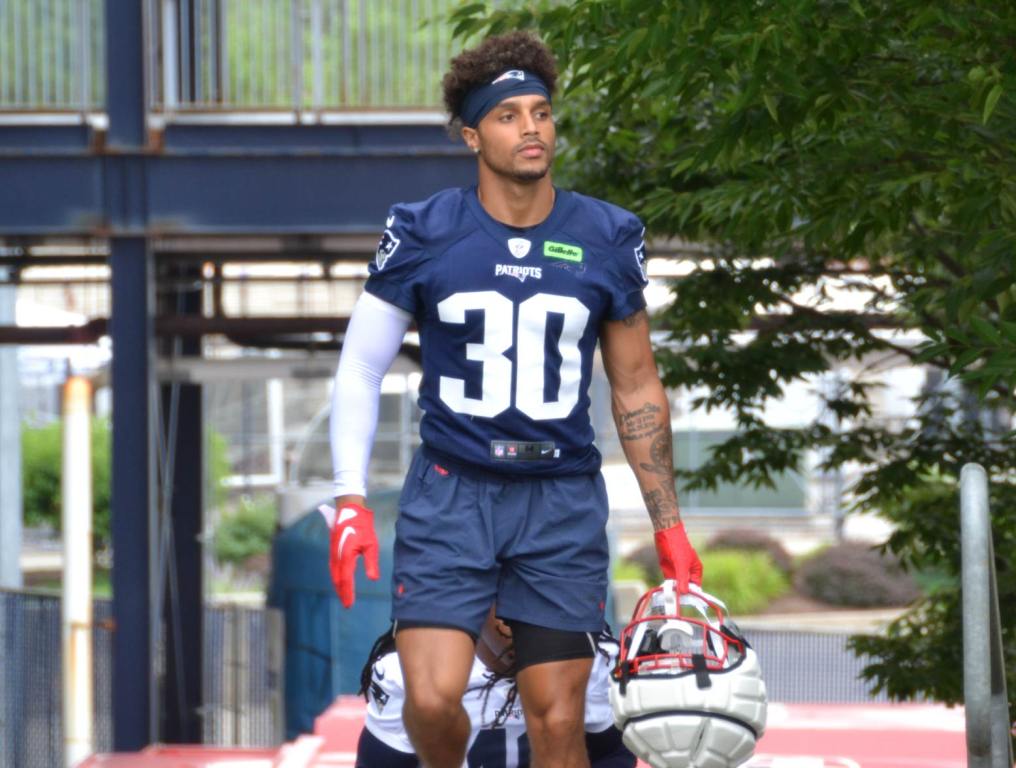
(985,330)
(1009,329)
(989,103)
(770,103)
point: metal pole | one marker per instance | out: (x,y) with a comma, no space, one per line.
(277,430)
(317,43)
(131,329)
(10,446)
(296,72)
(170,56)
(76,602)
(987,712)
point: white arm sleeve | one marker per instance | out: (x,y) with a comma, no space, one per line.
(373,339)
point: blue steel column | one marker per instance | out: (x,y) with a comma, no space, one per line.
(182,415)
(124,203)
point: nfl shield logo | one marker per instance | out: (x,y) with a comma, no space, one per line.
(519,247)
(499,451)
(386,248)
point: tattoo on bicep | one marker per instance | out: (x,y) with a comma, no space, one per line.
(640,423)
(661,455)
(635,318)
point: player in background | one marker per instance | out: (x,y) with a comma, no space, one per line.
(511,284)
(497,727)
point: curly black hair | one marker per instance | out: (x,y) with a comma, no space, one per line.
(513,50)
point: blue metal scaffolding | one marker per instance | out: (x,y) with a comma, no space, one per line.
(127,184)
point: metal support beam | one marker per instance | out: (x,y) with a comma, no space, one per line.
(125,216)
(133,492)
(182,561)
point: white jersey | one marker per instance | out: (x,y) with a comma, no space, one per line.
(387,694)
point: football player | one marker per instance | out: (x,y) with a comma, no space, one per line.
(497,728)
(511,284)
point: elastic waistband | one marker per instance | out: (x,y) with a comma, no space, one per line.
(476,472)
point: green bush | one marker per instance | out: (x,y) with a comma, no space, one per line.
(247,531)
(750,540)
(856,575)
(746,581)
(627,570)
(41,463)
(646,561)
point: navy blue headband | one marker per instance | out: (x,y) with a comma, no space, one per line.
(483,98)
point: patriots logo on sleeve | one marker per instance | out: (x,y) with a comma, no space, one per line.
(385,248)
(640,256)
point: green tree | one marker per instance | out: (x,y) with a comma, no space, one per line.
(820,148)
(41,462)
(42,459)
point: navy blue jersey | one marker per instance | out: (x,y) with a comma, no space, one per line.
(508,320)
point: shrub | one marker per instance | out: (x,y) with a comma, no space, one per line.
(646,559)
(745,581)
(857,575)
(41,471)
(42,467)
(625,570)
(749,540)
(247,531)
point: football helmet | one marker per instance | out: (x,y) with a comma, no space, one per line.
(687,690)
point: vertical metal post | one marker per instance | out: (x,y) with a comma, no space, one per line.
(317,43)
(984,686)
(170,55)
(277,430)
(133,485)
(84,57)
(76,596)
(133,490)
(10,445)
(296,71)
(183,419)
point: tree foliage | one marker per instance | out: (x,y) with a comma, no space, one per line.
(849,170)
(41,473)
(41,463)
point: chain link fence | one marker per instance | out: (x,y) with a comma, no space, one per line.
(242,693)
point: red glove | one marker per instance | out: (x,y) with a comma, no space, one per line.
(678,560)
(352,535)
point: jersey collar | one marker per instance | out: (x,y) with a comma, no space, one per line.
(563,200)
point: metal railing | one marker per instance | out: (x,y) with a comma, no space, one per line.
(989,742)
(52,55)
(232,55)
(299,55)
(242,704)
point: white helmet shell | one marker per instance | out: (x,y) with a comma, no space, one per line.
(687,692)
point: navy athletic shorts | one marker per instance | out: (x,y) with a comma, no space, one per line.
(464,539)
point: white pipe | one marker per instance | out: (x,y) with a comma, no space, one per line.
(277,430)
(10,448)
(76,603)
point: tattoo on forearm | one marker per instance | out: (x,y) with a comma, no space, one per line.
(661,455)
(662,505)
(636,318)
(640,423)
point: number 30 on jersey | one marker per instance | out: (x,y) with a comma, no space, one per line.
(530,354)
